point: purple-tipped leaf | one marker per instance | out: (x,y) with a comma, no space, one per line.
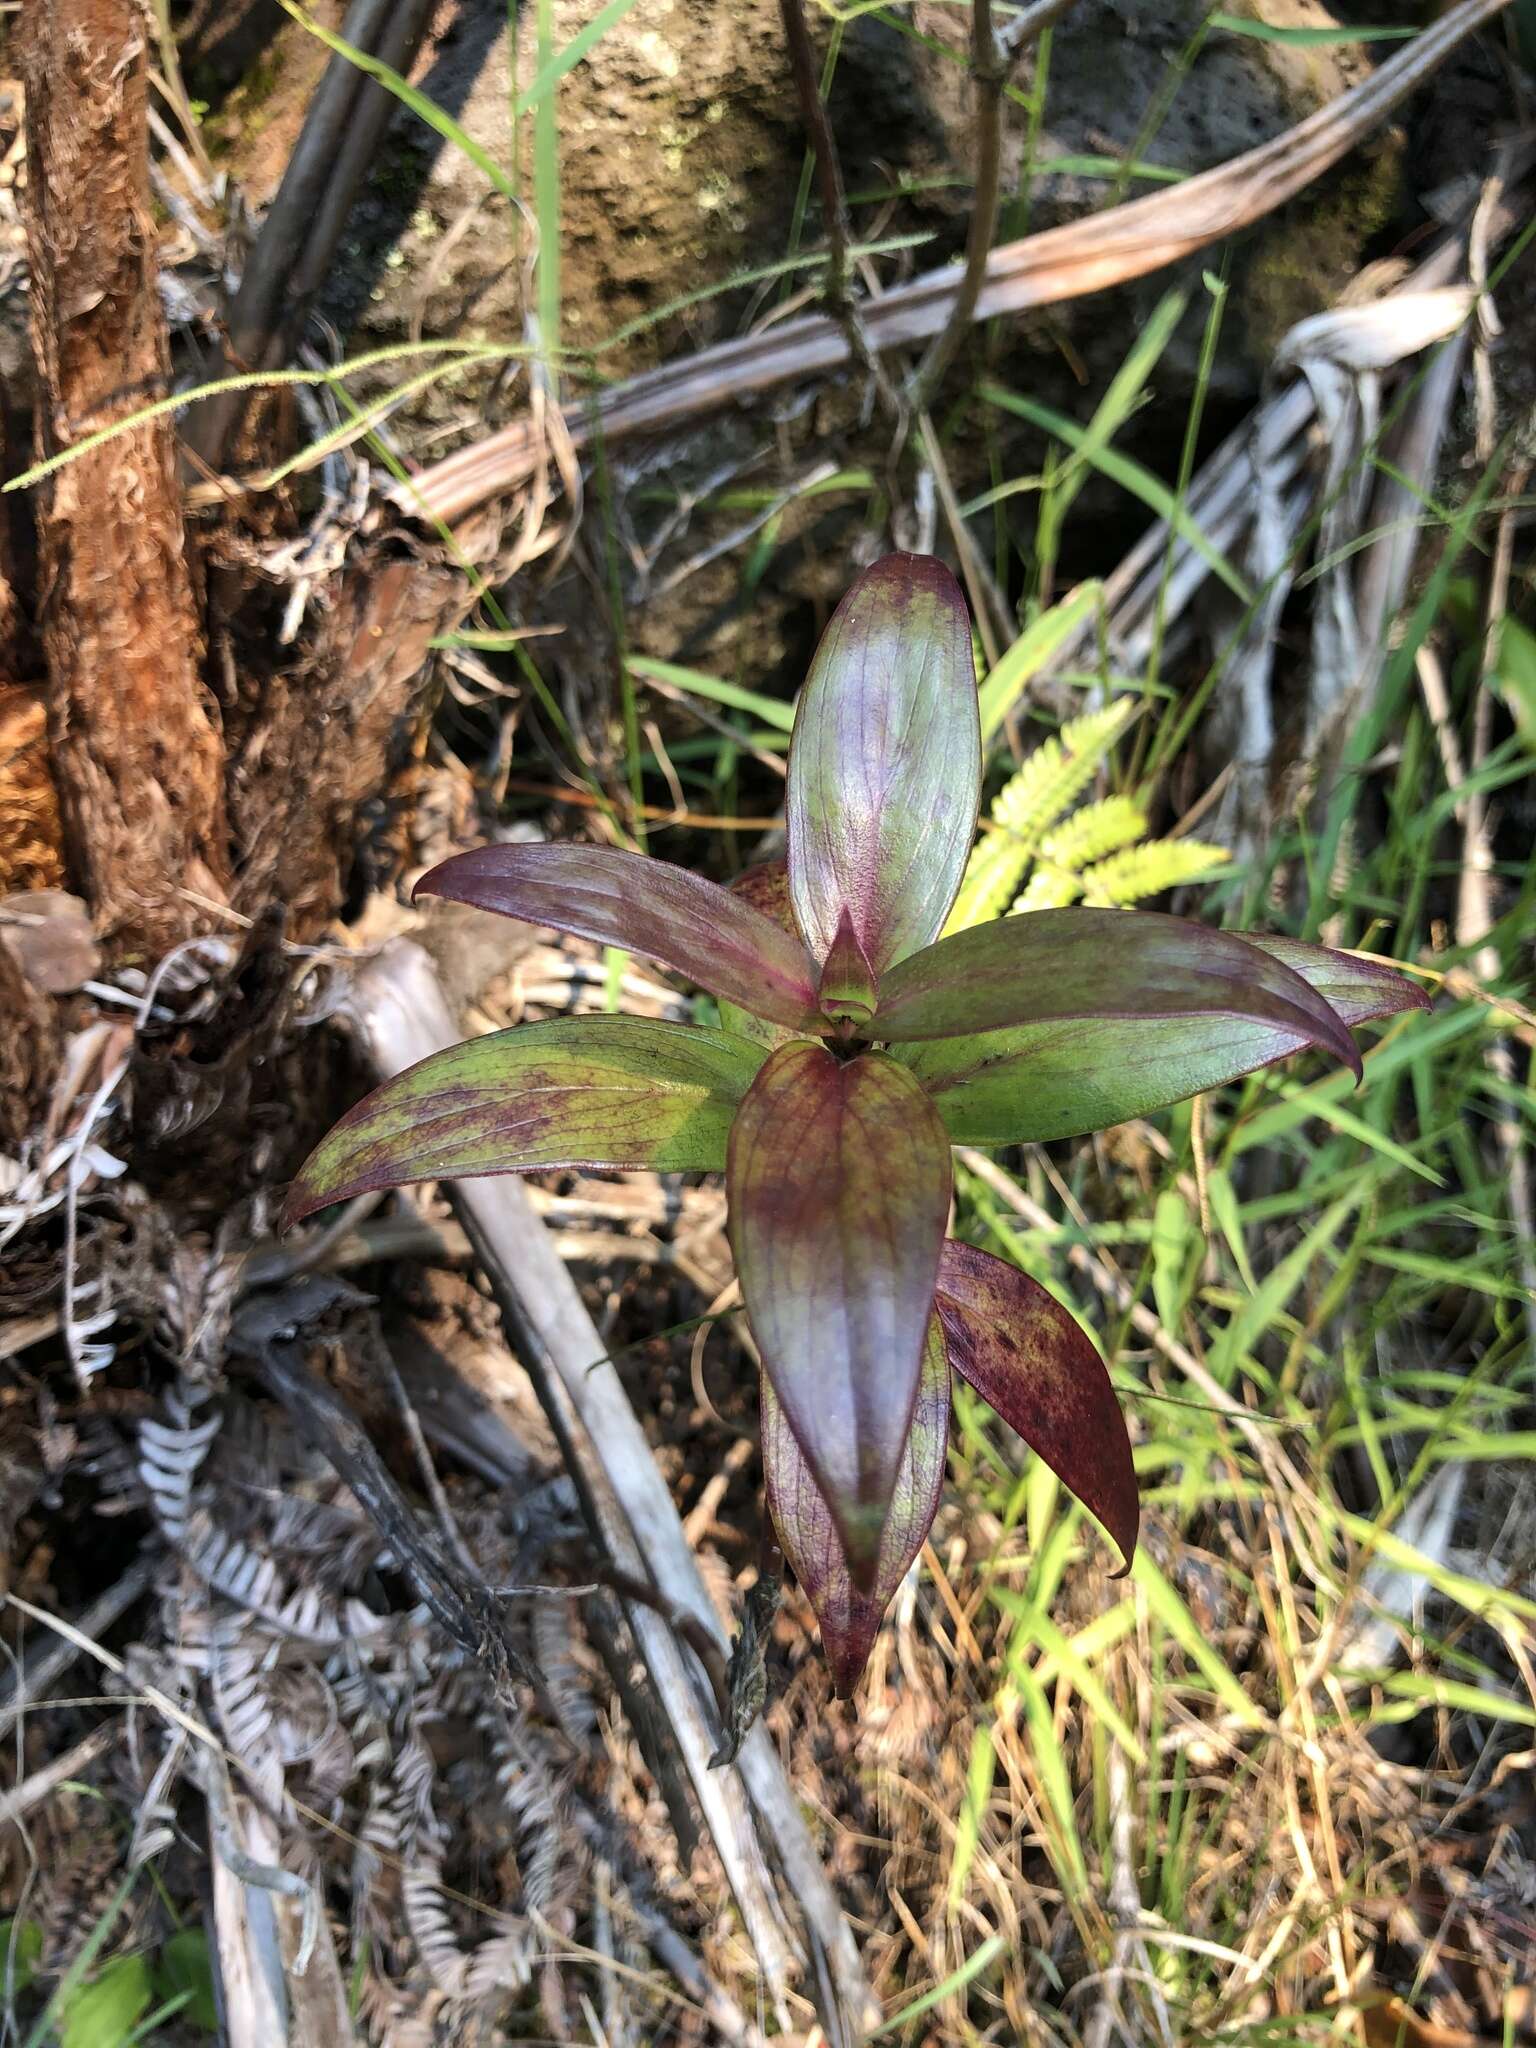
(1058,966)
(838,1178)
(716,939)
(578,1091)
(885,764)
(849,1619)
(1356,990)
(1032,1362)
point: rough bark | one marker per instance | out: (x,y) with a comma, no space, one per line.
(324,740)
(29,1050)
(137,754)
(29,807)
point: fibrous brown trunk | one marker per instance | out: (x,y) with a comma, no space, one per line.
(29,1050)
(137,754)
(328,737)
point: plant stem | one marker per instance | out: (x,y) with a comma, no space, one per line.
(829,176)
(834,203)
(1027,24)
(989,72)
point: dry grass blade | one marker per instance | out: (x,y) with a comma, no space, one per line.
(37,1785)
(1067,262)
(34,1683)
(1152,590)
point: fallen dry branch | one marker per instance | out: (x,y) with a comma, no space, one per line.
(1067,262)
(402,1015)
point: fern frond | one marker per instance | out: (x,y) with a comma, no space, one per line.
(430,1922)
(991,875)
(1094,831)
(171,1452)
(1049,888)
(1029,804)
(1126,878)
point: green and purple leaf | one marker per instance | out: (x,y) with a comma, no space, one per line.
(766,888)
(715,938)
(577,1091)
(1356,990)
(1067,1078)
(885,764)
(849,1619)
(1079,965)
(1032,1362)
(838,1179)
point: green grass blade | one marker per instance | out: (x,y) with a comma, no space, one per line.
(1056,1780)
(1430,1690)
(1450,1273)
(1267,32)
(1067,1661)
(546,183)
(1129,474)
(957,1980)
(1352,1126)
(554,64)
(48,2020)
(1028,655)
(1127,389)
(1165,1604)
(252,380)
(694,683)
(978,1790)
(761,273)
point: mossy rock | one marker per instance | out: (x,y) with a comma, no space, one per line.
(1300,260)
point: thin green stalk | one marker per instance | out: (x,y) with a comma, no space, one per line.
(628,707)
(546,191)
(1157,113)
(1205,370)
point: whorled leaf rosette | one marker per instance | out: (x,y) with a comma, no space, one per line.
(856,1045)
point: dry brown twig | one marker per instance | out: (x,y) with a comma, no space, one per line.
(1125,1904)
(989,72)
(834,204)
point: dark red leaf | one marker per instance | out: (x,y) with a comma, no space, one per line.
(715,938)
(838,1177)
(1356,989)
(885,764)
(1032,1361)
(850,1619)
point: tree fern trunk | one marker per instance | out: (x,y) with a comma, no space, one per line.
(136,749)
